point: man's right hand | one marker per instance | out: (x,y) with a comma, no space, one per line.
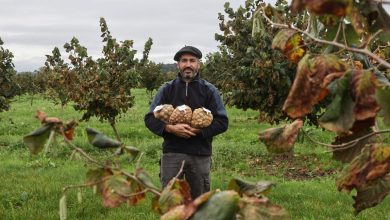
(181,130)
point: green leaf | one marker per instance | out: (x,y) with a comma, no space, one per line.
(250,189)
(254,208)
(221,206)
(132,152)
(338,116)
(144,177)
(36,140)
(383,98)
(100,140)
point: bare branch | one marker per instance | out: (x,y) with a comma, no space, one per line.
(382,1)
(357,50)
(133,194)
(181,169)
(66,188)
(372,37)
(338,31)
(345,145)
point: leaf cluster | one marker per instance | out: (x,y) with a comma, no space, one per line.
(8,87)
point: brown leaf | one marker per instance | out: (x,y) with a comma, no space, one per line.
(371,164)
(309,87)
(371,194)
(252,208)
(319,7)
(347,155)
(177,192)
(282,139)
(362,89)
(290,43)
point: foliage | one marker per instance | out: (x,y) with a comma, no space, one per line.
(151,76)
(250,74)
(101,87)
(117,186)
(350,72)
(8,87)
(31,82)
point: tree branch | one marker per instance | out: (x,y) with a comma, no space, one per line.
(357,50)
(346,145)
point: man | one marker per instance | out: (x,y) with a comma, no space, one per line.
(181,141)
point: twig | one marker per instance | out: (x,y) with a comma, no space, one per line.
(180,170)
(52,133)
(347,145)
(133,194)
(66,188)
(338,31)
(139,182)
(372,37)
(382,1)
(82,153)
(357,50)
(139,161)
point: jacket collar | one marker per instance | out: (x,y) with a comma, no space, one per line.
(196,78)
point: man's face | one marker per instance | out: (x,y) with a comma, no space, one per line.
(188,66)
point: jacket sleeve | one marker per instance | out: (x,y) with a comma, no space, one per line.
(153,124)
(220,120)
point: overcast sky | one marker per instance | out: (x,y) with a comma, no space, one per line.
(32,28)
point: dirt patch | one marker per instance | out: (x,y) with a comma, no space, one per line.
(297,167)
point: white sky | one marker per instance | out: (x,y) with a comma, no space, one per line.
(32,28)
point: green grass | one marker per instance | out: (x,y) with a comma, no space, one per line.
(31,186)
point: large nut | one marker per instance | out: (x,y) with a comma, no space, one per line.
(201,118)
(163,112)
(182,114)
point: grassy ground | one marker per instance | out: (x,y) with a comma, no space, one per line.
(31,185)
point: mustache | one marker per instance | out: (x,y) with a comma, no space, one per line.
(188,68)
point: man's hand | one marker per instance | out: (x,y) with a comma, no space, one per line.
(182,130)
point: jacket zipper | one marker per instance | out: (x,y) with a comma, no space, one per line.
(186,89)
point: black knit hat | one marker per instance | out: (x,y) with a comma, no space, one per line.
(188,49)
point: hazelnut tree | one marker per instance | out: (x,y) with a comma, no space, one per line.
(101,87)
(8,87)
(341,48)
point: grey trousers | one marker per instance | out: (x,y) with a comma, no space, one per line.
(196,171)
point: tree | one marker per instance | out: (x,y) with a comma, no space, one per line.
(8,87)
(31,83)
(101,87)
(353,40)
(248,72)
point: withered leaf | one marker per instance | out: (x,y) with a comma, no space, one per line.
(282,139)
(371,164)
(176,193)
(290,42)
(362,89)
(252,208)
(309,86)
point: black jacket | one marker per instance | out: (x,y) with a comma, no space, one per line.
(195,94)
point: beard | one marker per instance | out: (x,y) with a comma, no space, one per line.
(188,74)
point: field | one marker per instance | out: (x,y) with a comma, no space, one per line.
(31,186)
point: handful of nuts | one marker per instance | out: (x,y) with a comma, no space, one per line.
(182,114)
(163,112)
(201,118)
